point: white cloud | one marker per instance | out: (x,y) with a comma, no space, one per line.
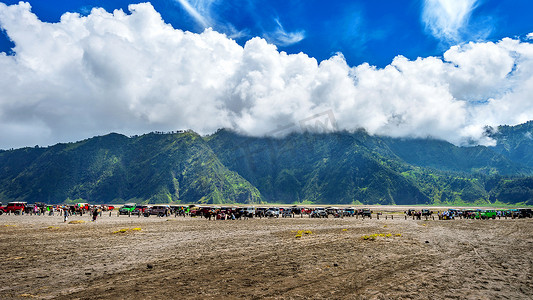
(281,37)
(530,36)
(205,17)
(199,18)
(446,18)
(132,73)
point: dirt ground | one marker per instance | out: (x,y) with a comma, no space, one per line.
(192,258)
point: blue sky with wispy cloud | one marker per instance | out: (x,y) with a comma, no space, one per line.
(420,68)
(364,31)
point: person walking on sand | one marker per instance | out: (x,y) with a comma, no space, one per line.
(95,214)
(65,215)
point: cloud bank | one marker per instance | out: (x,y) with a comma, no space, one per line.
(133,73)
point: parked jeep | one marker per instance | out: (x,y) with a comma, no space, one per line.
(127,209)
(366,212)
(515,213)
(287,213)
(349,212)
(319,212)
(158,210)
(15,207)
(487,214)
(248,212)
(272,212)
(140,209)
(525,213)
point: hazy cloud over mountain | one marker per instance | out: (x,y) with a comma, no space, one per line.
(130,72)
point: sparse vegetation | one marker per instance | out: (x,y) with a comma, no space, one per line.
(301,233)
(76,222)
(373,237)
(126,230)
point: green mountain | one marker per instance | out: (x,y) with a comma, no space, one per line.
(154,168)
(515,142)
(226,167)
(355,167)
(317,168)
(444,156)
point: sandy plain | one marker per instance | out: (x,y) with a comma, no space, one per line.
(191,258)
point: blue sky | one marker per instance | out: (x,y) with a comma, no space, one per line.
(442,69)
(363,31)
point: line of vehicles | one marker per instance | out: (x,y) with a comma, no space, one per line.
(20,207)
(485,214)
(276,212)
(148,210)
(224,212)
(17,207)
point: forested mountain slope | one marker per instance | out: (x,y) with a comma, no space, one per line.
(155,168)
(227,167)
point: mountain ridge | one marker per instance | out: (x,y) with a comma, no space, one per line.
(227,167)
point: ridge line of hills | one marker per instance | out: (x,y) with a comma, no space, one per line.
(308,168)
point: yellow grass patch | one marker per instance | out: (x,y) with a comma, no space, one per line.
(28,295)
(372,237)
(76,222)
(300,233)
(125,230)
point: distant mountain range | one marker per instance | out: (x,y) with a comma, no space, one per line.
(226,167)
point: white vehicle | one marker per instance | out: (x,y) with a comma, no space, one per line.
(249,211)
(272,212)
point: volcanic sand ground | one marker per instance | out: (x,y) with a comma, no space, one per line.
(193,258)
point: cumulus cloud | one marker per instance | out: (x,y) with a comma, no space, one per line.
(445,19)
(133,73)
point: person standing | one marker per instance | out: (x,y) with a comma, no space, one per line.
(95,214)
